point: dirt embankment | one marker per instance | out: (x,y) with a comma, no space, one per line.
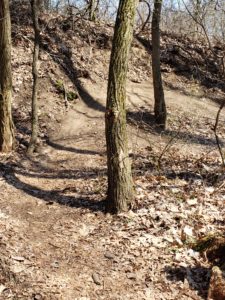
(74,51)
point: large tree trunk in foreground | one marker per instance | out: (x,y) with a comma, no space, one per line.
(35,6)
(160,106)
(120,185)
(6,123)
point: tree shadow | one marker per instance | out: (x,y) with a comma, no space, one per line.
(86,114)
(10,175)
(192,138)
(205,172)
(63,57)
(198,277)
(144,42)
(145,120)
(217,99)
(71,149)
(39,170)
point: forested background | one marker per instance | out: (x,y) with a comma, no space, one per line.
(112,149)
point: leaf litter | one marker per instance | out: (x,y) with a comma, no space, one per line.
(56,241)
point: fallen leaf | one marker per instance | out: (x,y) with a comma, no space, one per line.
(96,278)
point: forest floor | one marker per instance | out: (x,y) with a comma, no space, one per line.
(56,241)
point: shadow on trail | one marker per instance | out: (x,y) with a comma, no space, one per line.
(141,117)
(63,174)
(64,59)
(198,277)
(215,98)
(72,149)
(38,170)
(87,115)
(145,120)
(192,138)
(57,196)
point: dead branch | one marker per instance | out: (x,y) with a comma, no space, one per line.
(216,135)
(168,145)
(144,23)
(65,97)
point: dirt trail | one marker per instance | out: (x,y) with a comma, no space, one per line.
(57,240)
(84,125)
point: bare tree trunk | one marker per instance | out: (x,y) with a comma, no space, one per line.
(6,123)
(160,106)
(92,8)
(44,5)
(34,116)
(197,11)
(144,23)
(120,184)
(47,4)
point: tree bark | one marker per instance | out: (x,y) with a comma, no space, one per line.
(92,7)
(160,106)
(120,185)
(197,13)
(6,123)
(34,115)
